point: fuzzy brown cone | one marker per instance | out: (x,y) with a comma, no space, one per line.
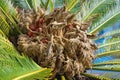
(57,40)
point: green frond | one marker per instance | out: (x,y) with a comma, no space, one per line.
(34,3)
(42,4)
(71,4)
(107,67)
(8,10)
(22,4)
(110,42)
(51,5)
(110,47)
(7,6)
(10,14)
(97,77)
(110,62)
(94,7)
(4,26)
(111,33)
(28,4)
(38,74)
(6,46)
(108,53)
(107,20)
(7,14)
(1,32)
(47,3)
(111,74)
(17,67)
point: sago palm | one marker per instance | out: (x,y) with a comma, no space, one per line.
(49,39)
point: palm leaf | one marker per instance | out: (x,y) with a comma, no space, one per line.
(111,74)
(7,6)
(17,67)
(111,33)
(51,5)
(95,7)
(1,32)
(110,62)
(4,26)
(108,53)
(31,4)
(110,47)
(5,9)
(110,42)
(95,76)
(28,3)
(107,67)
(21,4)
(46,4)
(108,50)
(102,73)
(109,19)
(42,3)
(34,5)
(38,74)
(71,4)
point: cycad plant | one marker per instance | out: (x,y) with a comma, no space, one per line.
(49,39)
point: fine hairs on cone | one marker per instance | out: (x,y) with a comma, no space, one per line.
(56,40)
